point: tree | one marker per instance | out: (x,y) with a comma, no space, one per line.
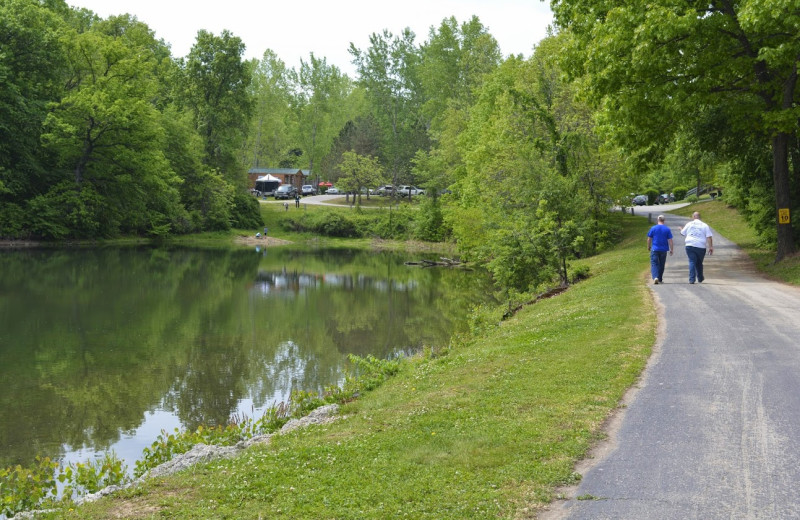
(273,124)
(31,68)
(388,73)
(217,92)
(654,64)
(453,63)
(358,172)
(533,191)
(455,60)
(107,137)
(361,136)
(319,104)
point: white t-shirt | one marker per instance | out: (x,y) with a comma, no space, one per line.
(696,232)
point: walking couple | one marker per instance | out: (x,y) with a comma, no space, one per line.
(698,241)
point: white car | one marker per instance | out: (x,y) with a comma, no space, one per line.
(332,191)
(406,191)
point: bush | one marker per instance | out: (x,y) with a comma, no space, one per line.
(652,195)
(680,192)
(430,221)
(12,221)
(93,475)
(395,223)
(337,225)
(246,212)
(356,223)
(22,489)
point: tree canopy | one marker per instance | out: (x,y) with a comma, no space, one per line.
(659,68)
(104,133)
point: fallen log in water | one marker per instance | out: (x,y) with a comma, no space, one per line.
(443,262)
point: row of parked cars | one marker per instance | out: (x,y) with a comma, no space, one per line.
(289,191)
(385,191)
(664,198)
(402,191)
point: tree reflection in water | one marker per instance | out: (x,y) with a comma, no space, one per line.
(99,347)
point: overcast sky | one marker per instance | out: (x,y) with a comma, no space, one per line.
(294,29)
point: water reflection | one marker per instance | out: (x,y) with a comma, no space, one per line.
(102,348)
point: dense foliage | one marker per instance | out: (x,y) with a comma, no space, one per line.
(702,91)
(106,134)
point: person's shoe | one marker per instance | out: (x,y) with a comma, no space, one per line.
(691,281)
(660,280)
(700,280)
(655,281)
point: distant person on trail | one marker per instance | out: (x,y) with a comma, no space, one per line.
(659,242)
(698,241)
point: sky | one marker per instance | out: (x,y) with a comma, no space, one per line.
(295,29)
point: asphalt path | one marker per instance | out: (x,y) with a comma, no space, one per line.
(326,200)
(711,430)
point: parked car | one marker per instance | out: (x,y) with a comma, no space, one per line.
(308,189)
(665,198)
(285,191)
(386,189)
(639,200)
(333,190)
(406,191)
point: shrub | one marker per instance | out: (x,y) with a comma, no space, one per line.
(22,489)
(93,475)
(680,192)
(246,212)
(395,223)
(337,225)
(652,195)
(12,220)
(429,223)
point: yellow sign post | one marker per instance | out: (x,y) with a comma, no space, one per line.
(783,216)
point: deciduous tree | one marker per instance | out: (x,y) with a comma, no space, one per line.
(107,135)
(655,64)
(388,72)
(217,91)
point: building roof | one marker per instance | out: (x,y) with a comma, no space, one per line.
(279,171)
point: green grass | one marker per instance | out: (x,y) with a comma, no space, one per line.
(730,224)
(488,429)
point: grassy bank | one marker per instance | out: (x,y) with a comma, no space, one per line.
(487,429)
(730,224)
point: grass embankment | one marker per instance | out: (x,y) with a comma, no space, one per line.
(487,429)
(729,223)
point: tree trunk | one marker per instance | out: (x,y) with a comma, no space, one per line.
(780,172)
(780,175)
(794,160)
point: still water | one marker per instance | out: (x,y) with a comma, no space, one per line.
(102,349)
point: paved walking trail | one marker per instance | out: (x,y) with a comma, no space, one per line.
(712,431)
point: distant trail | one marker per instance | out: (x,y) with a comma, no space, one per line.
(713,429)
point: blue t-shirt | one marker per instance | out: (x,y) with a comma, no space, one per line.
(661,235)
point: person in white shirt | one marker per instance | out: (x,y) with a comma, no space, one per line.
(698,241)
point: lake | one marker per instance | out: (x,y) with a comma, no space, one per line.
(102,349)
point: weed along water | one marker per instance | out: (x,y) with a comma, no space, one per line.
(103,349)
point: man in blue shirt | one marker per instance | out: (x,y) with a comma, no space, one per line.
(659,241)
